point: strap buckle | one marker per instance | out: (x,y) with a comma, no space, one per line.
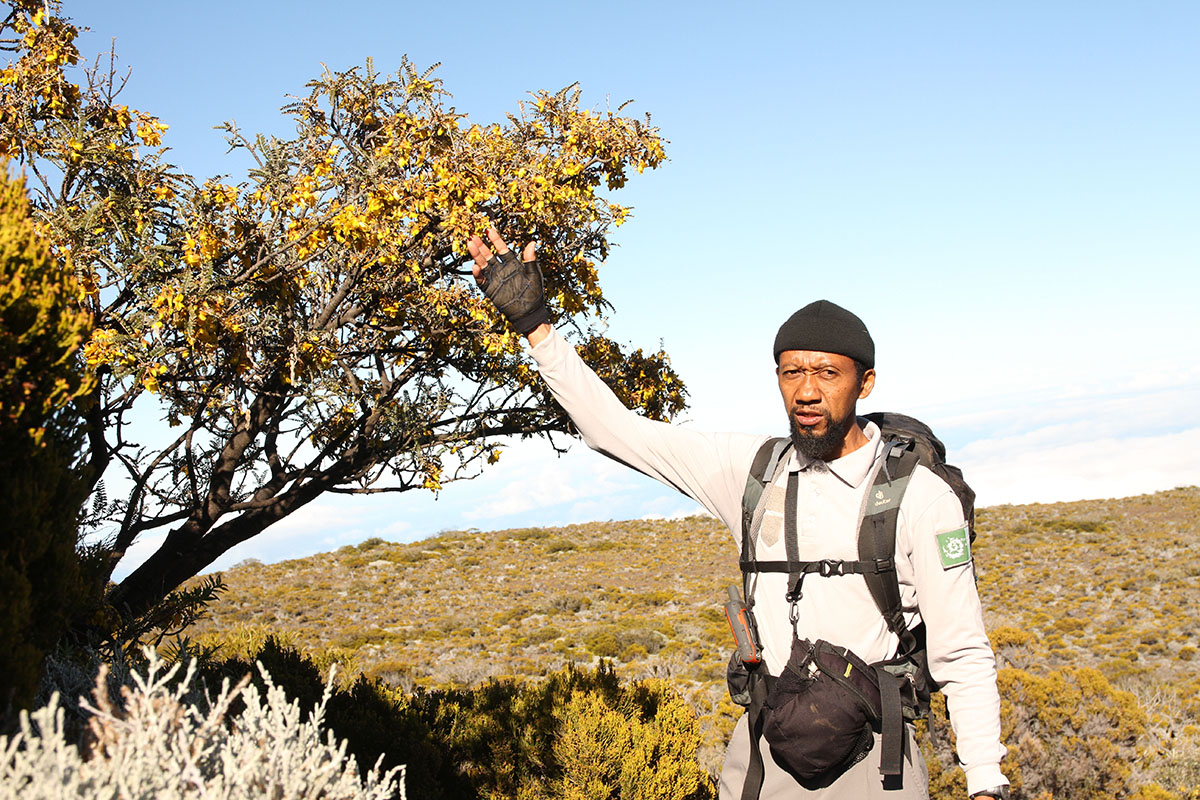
(884,564)
(830,567)
(827,567)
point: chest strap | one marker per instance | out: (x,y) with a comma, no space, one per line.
(828,567)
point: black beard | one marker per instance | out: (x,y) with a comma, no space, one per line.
(827,444)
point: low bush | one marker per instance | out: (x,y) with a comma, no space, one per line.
(534,739)
(164,739)
(642,747)
(1070,734)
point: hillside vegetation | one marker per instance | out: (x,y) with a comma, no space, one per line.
(1090,605)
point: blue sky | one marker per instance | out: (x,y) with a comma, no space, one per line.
(1006,193)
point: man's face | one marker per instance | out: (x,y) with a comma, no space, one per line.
(820,392)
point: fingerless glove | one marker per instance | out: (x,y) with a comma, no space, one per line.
(515,288)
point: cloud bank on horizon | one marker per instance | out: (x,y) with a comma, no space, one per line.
(1068,456)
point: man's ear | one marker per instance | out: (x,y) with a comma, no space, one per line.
(868,383)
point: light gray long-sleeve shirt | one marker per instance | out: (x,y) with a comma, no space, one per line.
(712,469)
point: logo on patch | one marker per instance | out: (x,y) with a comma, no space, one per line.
(954,548)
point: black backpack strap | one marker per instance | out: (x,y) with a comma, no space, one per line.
(877,536)
(891,745)
(760,685)
(798,570)
(876,540)
(762,470)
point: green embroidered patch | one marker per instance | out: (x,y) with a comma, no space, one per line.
(954,548)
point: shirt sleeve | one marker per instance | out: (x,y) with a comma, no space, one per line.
(960,656)
(711,468)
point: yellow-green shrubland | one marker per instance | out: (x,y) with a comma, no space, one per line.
(1090,605)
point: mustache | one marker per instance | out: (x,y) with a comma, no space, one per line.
(810,410)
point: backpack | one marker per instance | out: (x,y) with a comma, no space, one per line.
(907,443)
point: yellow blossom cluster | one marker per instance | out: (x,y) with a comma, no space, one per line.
(149,130)
(106,346)
(220,194)
(34,86)
(201,246)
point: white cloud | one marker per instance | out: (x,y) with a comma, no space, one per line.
(587,511)
(1085,436)
(538,481)
(1012,470)
(1078,441)
(398,529)
(1119,413)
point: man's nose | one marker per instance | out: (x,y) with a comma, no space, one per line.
(807,391)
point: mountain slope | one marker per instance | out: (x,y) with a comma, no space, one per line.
(1110,584)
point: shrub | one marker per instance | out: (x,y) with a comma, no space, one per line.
(510,739)
(525,534)
(545,634)
(569,602)
(642,747)
(244,641)
(42,588)
(603,643)
(612,640)
(1154,792)
(167,746)
(1070,733)
(657,597)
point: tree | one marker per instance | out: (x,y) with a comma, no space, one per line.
(313,328)
(42,325)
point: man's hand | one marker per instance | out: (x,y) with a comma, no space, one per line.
(515,287)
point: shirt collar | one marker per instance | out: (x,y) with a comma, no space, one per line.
(852,468)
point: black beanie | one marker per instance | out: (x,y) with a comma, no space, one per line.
(827,328)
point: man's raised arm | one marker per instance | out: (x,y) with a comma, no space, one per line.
(696,463)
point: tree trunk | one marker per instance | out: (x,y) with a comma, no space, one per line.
(188,550)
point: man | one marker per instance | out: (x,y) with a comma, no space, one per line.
(825,360)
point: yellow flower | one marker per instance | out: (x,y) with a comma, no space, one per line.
(149,130)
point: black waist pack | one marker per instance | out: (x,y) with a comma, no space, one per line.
(821,712)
